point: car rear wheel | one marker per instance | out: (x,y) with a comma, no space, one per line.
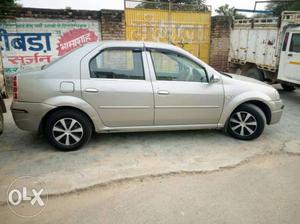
(247,122)
(68,130)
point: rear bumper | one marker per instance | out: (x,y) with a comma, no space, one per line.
(276,111)
(28,116)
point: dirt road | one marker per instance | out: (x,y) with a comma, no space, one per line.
(264,190)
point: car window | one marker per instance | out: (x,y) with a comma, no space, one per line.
(117,64)
(295,43)
(173,67)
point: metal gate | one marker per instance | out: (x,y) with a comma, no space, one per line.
(187,27)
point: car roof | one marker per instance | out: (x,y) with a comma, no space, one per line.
(122,43)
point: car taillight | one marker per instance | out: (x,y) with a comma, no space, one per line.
(15,87)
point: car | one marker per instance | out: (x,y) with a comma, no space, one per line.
(123,86)
(2,111)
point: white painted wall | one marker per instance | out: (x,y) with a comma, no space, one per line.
(30,42)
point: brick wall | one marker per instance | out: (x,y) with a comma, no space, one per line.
(12,13)
(220,42)
(112,24)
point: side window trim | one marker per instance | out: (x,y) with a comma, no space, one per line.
(134,49)
(161,50)
(285,41)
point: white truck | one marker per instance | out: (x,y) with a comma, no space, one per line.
(267,49)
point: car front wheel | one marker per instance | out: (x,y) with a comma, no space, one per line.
(68,129)
(247,122)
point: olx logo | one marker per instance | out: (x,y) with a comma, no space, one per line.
(23,196)
(27,196)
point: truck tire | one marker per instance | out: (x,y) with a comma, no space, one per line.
(68,129)
(288,87)
(254,73)
(247,122)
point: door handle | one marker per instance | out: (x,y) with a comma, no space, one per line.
(91,90)
(163,92)
(290,55)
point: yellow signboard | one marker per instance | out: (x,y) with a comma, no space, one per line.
(189,30)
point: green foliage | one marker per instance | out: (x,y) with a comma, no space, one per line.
(7,3)
(192,5)
(226,10)
(278,8)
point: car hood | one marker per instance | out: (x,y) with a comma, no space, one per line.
(246,79)
(238,84)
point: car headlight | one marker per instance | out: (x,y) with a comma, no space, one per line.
(276,94)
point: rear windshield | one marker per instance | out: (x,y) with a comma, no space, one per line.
(58,59)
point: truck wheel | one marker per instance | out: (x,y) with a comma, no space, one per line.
(68,129)
(288,87)
(253,73)
(247,122)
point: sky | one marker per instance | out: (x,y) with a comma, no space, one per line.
(119,4)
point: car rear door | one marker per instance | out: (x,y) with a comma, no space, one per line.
(116,83)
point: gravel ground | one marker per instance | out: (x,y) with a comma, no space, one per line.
(113,157)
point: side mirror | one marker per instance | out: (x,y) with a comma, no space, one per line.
(214,79)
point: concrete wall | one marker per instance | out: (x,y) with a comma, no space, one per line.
(220,42)
(32,42)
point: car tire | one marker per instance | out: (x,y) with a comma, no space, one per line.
(247,122)
(288,87)
(1,122)
(68,130)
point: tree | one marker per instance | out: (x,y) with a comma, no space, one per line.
(279,7)
(175,4)
(226,10)
(7,3)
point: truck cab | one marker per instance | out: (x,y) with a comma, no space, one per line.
(289,64)
(267,49)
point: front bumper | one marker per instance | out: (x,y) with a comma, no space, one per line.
(276,111)
(28,116)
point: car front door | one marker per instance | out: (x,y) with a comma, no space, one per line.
(182,93)
(116,84)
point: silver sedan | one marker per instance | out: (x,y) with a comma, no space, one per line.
(122,86)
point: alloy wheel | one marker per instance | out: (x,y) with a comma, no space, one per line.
(243,123)
(67,131)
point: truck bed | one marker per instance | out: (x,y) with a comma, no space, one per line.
(255,41)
